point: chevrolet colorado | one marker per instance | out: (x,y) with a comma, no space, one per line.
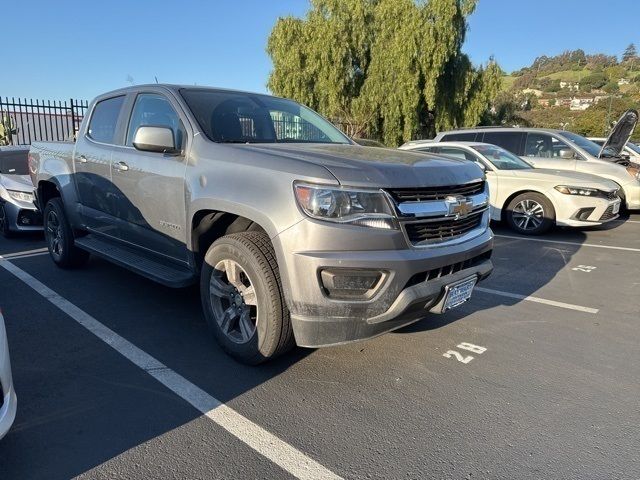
(296,234)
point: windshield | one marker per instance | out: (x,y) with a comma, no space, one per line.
(501,158)
(236,117)
(633,147)
(14,162)
(590,147)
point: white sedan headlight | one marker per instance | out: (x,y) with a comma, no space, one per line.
(21,196)
(586,192)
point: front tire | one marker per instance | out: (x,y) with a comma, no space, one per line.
(4,223)
(530,214)
(242,298)
(59,237)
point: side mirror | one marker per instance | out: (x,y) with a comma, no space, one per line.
(566,153)
(155,139)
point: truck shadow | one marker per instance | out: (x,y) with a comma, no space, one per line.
(522,267)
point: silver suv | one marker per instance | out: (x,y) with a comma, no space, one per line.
(294,232)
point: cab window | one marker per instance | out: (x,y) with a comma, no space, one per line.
(102,126)
(151,109)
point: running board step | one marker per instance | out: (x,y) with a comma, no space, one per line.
(164,272)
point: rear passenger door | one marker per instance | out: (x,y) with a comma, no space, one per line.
(92,165)
(151,200)
(544,150)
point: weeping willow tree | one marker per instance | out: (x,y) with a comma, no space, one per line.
(392,69)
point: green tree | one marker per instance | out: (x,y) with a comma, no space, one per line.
(611,87)
(593,81)
(391,68)
(630,53)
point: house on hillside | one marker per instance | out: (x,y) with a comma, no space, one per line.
(624,81)
(571,86)
(563,102)
(581,103)
(536,92)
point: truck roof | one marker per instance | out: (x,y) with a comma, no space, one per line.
(176,87)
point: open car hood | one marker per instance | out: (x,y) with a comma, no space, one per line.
(619,135)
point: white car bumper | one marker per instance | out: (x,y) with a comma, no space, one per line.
(582,211)
(8,399)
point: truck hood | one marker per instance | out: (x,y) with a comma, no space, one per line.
(619,135)
(564,177)
(359,166)
(20,183)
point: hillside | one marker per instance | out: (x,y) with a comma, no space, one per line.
(578,91)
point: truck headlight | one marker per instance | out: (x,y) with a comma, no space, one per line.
(21,196)
(366,208)
(586,192)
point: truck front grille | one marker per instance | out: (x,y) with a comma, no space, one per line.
(433,231)
(436,193)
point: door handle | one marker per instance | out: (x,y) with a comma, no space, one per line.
(81,159)
(121,166)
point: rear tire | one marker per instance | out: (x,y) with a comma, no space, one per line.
(530,213)
(59,237)
(242,298)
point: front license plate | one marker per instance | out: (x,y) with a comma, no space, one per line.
(616,208)
(458,293)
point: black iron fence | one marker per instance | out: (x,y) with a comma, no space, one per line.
(25,120)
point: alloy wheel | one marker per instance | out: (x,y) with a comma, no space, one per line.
(234,301)
(54,233)
(528,215)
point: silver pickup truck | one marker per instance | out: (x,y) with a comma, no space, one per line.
(296,234)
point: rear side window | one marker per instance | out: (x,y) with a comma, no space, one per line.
(459,137)
(102,127)
(511,141)
(458,153)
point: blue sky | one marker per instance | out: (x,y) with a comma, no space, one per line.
(61,49)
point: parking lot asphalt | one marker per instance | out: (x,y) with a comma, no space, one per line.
(535,377)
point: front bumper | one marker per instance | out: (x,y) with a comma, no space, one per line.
(404,296)
(22,217)
(583,211)
(7,393)
(8,411)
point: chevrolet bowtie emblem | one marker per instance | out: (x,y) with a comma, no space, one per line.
(460,207)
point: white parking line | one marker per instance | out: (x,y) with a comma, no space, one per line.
(529,298)
(268,445)
(25,253)
(577,244)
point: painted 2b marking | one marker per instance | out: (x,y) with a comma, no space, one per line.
(470,347)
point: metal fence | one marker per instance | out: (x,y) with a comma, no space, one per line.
(41,120)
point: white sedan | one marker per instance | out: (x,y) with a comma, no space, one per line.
(531,200)
(7,394)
